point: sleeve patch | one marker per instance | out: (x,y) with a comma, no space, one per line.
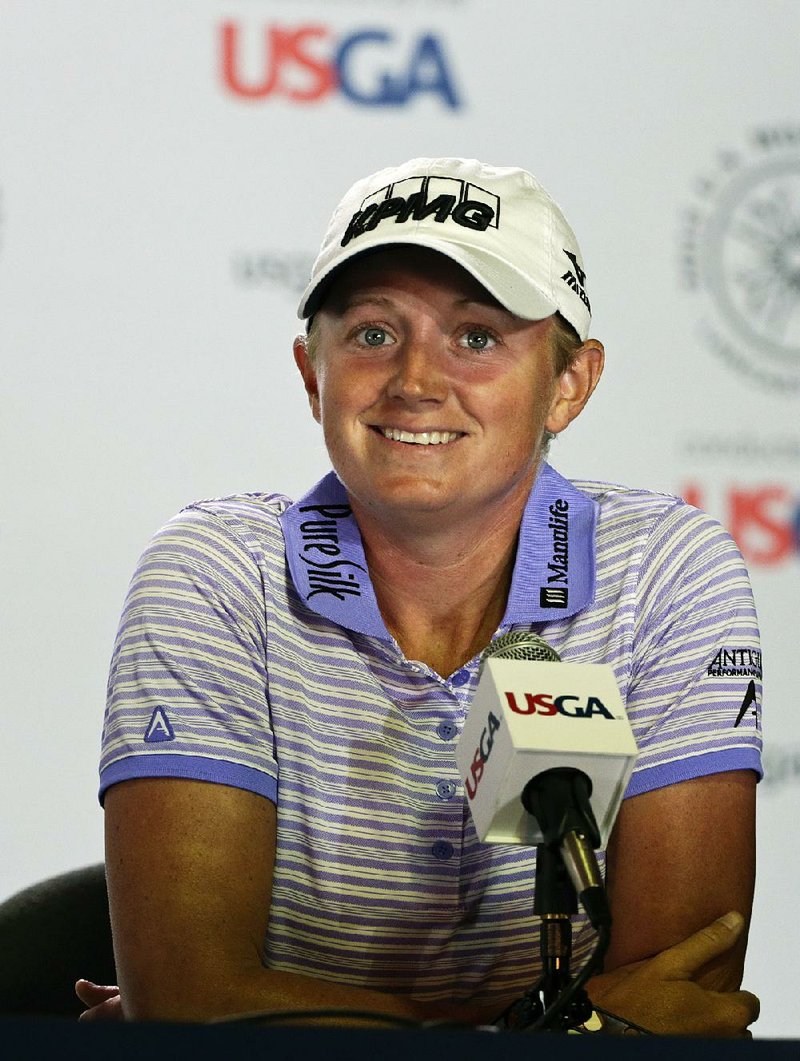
(736,663)
(159,728)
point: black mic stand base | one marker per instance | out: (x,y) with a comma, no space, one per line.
(555,901)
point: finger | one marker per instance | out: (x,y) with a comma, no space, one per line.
(90,988)
(728,1013)
(92,994)
(111,1009)
(750,1005)
(685,958)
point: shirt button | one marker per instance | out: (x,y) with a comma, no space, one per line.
(442,850)
(445,789)
(461,677)
(447,730)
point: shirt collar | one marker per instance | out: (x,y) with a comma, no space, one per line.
(554,570)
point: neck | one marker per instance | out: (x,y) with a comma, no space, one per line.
(442,593)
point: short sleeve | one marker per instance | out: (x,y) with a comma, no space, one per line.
(694,697)
(188,689)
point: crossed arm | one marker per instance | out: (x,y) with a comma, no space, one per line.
(190,864)
(680,858)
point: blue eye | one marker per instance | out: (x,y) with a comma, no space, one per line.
(478,339)
(374,336)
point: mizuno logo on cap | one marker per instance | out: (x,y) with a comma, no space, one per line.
(576,279)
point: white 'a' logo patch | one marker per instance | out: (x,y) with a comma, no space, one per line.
(159,727)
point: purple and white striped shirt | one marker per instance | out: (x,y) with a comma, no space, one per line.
(252,653)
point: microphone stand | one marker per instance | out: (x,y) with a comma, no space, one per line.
(555,901)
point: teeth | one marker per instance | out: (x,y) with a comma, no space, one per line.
(424,438)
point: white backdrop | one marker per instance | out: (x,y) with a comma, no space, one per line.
(159,207)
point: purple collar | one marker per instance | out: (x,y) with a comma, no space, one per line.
(554,571)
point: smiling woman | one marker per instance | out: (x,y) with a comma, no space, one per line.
(295,834)
(409,345)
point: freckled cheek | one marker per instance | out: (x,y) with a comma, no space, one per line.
(352,388)
(340,412)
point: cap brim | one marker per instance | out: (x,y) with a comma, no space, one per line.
(501,280)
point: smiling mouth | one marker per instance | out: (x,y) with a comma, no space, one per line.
(421,438)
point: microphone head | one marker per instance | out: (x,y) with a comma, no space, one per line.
(520,644)
(532,713)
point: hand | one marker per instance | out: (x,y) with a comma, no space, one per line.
(661,995)
(103,1003)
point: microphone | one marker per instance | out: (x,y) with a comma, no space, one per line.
(546,755)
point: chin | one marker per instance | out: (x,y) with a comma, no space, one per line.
(406,498)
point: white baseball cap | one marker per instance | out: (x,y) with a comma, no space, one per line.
(497,223)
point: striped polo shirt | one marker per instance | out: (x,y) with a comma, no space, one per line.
(251,652)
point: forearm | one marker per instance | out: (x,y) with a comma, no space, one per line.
(667,994)
(259,990)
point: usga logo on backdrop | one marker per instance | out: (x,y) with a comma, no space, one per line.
(305,63)
(764,519)
(740,253)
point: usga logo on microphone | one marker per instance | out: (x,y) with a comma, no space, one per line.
(481,756)
(528,716)
(545,704)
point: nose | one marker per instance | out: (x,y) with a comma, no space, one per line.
(419,373)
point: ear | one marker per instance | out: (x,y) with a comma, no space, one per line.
(574,387)
(309,374)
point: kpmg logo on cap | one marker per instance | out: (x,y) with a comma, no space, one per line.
(740,252)
(416,198)
(307,63)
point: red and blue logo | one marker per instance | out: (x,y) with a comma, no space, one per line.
(546,704)
(763,519)
(370,67)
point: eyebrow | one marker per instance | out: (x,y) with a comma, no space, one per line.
(357,299)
